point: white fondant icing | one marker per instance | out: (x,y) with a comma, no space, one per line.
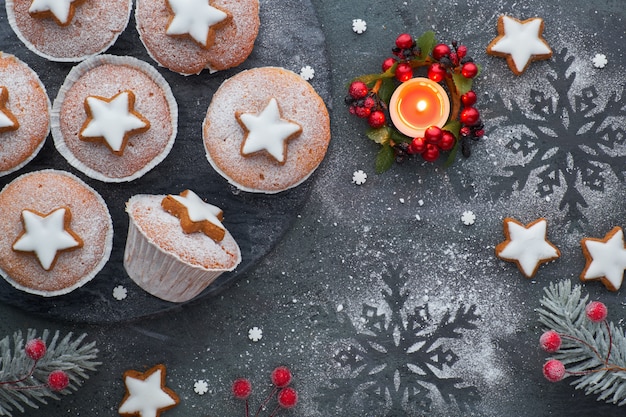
(194,18)
(146,396)
(112,120)
(45,235)
(521,40)
(608,259)
(528,246)
(59,8)
(267,131)
(198,210)
(5,120)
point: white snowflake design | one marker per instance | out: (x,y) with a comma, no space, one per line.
(200,387)
(255,334)
(359,26)
(468,218)
(307,73)
(120,292)
(599,61)
(359,177)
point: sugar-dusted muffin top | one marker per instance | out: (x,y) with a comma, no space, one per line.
(44,192)
(164,230)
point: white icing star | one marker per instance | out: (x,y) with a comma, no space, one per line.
(194,18)
(255,334)
(120,293)
(198,210)
(7,120)
(359,26)
(146,396)
(608,259)
(267,131)
(112,120)
(45,235)
(359,177)
(200,387)
(527,245)
(521,41)
(307,73)
(599,61)
(60,9)
(468,218)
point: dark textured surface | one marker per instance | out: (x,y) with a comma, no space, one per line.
(363,297)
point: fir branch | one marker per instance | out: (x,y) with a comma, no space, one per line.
(66,354)
(593,353)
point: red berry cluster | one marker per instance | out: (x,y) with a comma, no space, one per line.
(451,60)
(430,146)
(286,397)
(365,104)
(550,341)
(405,50)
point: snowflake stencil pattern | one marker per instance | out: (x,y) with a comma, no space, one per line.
(568,141)
(396,364)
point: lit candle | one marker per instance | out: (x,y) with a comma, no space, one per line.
(418,104)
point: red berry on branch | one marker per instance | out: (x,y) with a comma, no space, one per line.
(242,388)
(388,63)
(404,72)
(436,72)
(376,120)
(363,112)
(440,50)
(433,135)
(469,70)
(369,102)
(469,116)
(465,131)
(550,341)
(358,89)
(554,370)
(404,41)
(469,99)
(461,51)
(287,398)
(58,380)
(431,153)
(479,133)
(447,141)
(596,311)
(35,349)
(417,146)
(281,376)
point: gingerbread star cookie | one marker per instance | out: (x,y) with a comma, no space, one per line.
(62,11)
(8,122)
(526,245)
(606,259)
(196,19)
(146,393)
(195,215)
(520,42)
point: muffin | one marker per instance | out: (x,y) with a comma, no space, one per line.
(66,30)
(123,89)
(56,233)
(266,130)
(24,114)
(167,261)
(225,42)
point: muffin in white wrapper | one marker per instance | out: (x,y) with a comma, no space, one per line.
(167,262)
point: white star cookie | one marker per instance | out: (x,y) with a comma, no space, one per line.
(527,246)
(8,121)
(196,19)
(112,121)
(62,11)
(146,393)
(195,215)
(606,259)
(47,235)
(267,131)
(520,42)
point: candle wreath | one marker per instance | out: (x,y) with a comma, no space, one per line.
(369,97)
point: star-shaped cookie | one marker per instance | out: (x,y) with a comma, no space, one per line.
(195,215)
(8,121)
(146,393)
(46,235)
(196,19)
(527,246)
(267,131)
(520,42)
(62,11)
(111,121)
(606,259)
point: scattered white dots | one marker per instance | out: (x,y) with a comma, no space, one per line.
(359,177)
(402,200)
(307,73)
(120,292)
(468,218)
(359,26)
(201,387)
(420,202)
(599,61)
(339,308)
(255,334)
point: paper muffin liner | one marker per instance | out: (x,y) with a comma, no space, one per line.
(80,57)
(74,75)
(163,274)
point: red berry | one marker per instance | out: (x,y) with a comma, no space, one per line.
(447,141)
(436,72)
(287,398)
(369,102)
(596,311)
(404,72)
(404,41)
(470,116)
(363,112)
(35,349)
(440,50)
(388,63)
(469,70)
(461,51)
(358,89)
(242,388)
(58,380)
(417,146)
(554,370)
(281,376)
(479,133)
(465,131)
(454,58)
(431,153)
(550,341)
(433,135)
(469,99)
(376,119)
